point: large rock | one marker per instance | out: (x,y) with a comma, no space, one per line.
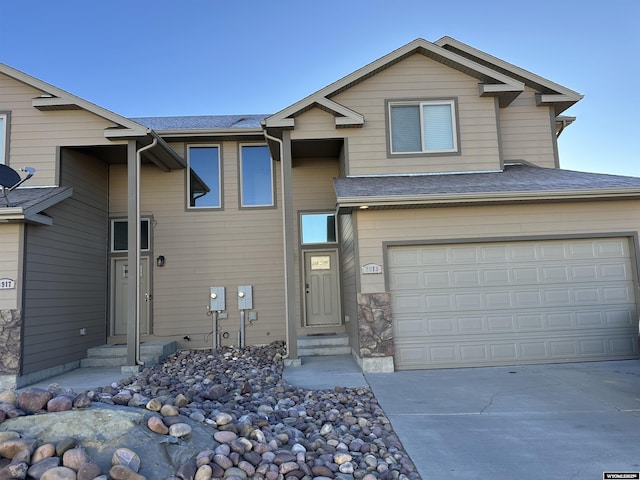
(104,429)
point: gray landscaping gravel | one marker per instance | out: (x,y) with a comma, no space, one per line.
(260,426)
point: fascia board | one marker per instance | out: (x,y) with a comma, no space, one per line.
(282,118)
(548,99)
(346,116)
(33,214)
(39,219)
(170,158)
(17,215)
(11,214)
(398,200)
(279,122)
(66,98)
(201,132)
(521,72)
(492,88)
(49,201)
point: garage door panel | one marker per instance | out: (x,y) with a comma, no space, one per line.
(620,318)
(520,322)
(614,272)
(508,352)
(514,302)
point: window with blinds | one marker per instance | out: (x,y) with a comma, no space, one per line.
(423,127)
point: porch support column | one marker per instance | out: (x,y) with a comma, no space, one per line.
(133,255)
(289,248)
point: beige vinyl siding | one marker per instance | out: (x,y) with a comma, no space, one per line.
(203,248)
(10,256)
(486,222)
(349,278)
(527,132)
(66,271)
(312,190)
(416,77)
(34,135)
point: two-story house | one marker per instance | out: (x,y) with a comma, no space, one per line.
(416,207)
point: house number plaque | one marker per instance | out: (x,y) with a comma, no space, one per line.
(371,268)
(7,283)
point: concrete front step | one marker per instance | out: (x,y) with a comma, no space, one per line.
(151,353)
(325,345)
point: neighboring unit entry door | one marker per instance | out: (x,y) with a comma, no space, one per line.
(120,295)
(321,289)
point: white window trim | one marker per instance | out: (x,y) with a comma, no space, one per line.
(4,138)
(271,177)
(420,104)
(188,189)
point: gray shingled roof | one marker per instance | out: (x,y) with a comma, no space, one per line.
(514,179)
(29,197)
(202,122)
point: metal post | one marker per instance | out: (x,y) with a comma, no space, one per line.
(241,336)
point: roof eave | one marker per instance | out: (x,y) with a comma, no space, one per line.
(33,213)
(209,132)
(533,80)
(559,102)
(493,198)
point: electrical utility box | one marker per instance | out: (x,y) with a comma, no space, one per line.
(216,299)
(245,297)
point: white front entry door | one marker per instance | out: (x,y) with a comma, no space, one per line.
(322,299)
(120,295)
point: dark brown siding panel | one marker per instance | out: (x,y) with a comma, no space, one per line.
(349,278)
(66,270)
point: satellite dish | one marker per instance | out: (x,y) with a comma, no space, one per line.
(10,179)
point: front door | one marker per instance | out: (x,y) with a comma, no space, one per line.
(120,295)
(322,299)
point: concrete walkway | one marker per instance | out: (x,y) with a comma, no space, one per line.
(326,372)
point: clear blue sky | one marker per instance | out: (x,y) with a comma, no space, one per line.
(160,57)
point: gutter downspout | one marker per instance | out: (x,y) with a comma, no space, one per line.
(284,239)
(136,260)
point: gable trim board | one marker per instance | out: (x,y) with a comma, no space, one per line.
(29,203)
(504,302)
(554,94)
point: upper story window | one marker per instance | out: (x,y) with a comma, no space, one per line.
(4,137)
(256,176)
(120,235)
(203,184)
(423,126)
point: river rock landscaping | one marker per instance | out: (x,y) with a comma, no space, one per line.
(202,414)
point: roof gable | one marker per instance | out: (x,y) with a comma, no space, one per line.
(494,79)
(54,98)
(550,93)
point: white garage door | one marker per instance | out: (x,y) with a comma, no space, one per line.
(509,303)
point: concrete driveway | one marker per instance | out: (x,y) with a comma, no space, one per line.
(562,421)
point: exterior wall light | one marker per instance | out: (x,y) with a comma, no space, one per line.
(160,261)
